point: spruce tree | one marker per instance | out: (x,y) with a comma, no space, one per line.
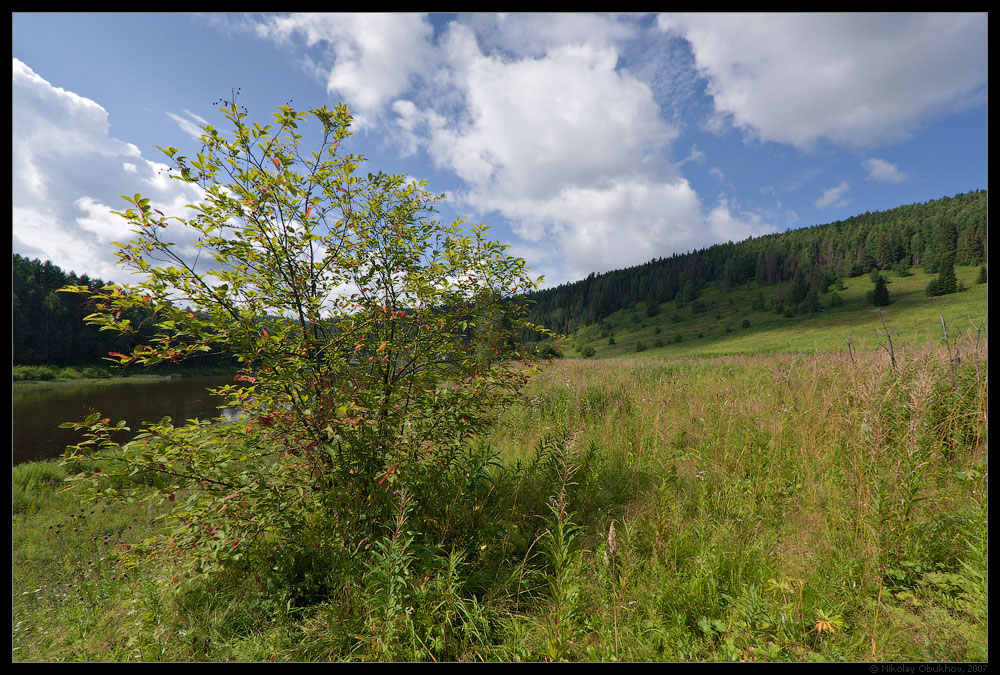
(947,283)
(652,304)
(883,252)
(880,298)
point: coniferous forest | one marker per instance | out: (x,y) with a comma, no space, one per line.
(47,325)
(802,263)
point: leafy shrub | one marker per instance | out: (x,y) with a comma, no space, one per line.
(34,373)
(350,396)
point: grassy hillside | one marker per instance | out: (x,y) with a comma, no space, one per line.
(719,328)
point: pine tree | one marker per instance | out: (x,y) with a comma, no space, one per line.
(948,237)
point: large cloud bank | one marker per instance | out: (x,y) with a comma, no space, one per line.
(67,174)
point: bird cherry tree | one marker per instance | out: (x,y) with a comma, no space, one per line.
(373,340)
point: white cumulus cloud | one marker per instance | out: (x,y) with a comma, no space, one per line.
(856,79)
(879,169)
(834,197)
(535,34)
(538,118)
(369,58)
(569,147)
(67,175)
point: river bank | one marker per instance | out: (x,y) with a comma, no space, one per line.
(38,377)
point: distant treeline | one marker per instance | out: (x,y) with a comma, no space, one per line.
(48,327)
(801,262)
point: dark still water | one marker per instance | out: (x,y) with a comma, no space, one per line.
(37,413)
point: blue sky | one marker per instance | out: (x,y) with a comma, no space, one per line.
(587,142)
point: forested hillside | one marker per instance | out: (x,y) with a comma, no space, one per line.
(47,325)
(803,263)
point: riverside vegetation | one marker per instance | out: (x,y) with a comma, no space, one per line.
(398,489)
(770,507)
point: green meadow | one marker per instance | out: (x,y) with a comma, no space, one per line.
(793,489)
